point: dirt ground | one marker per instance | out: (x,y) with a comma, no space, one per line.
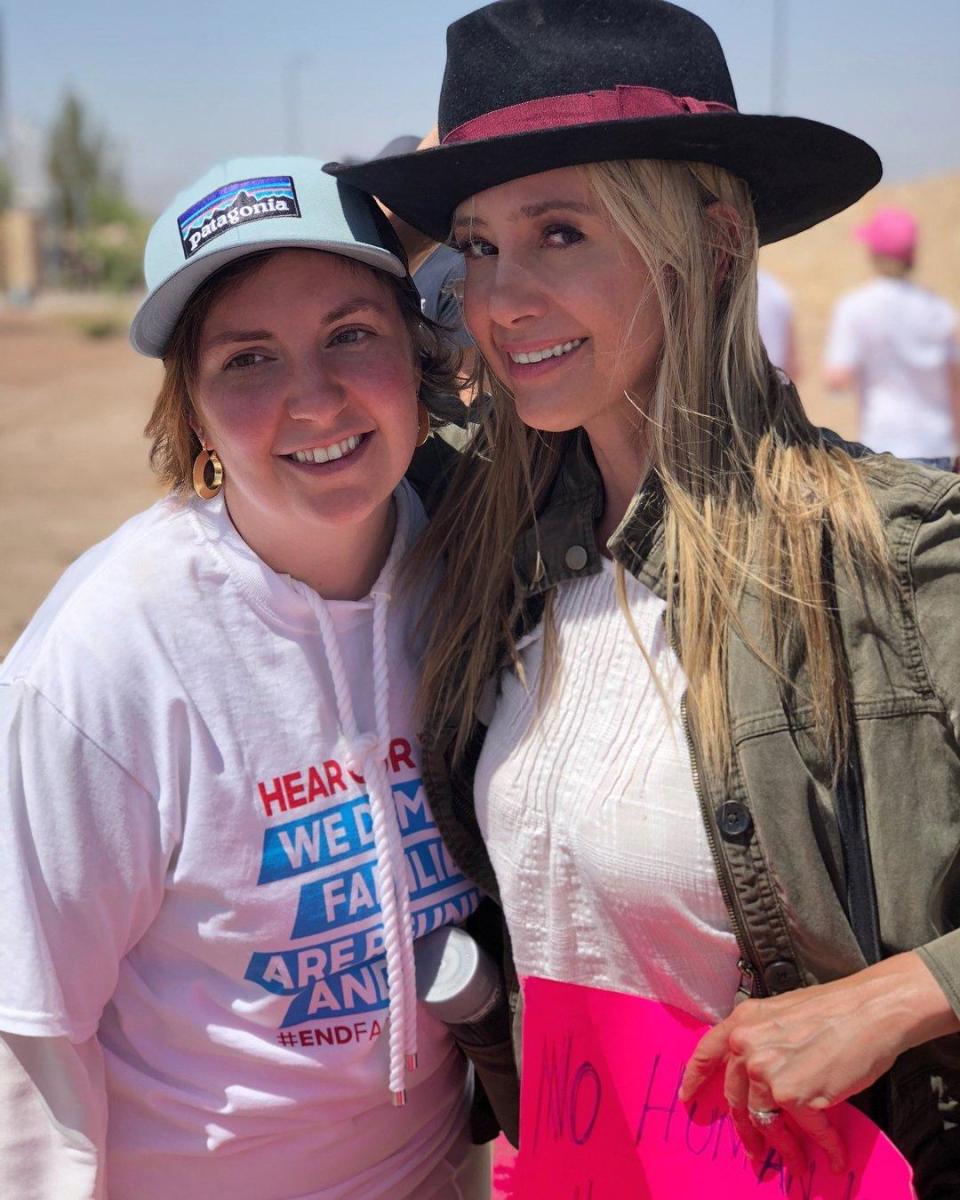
(73,461)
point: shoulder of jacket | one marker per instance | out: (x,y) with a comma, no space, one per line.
(908,490)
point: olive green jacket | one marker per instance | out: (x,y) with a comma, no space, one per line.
(773,827)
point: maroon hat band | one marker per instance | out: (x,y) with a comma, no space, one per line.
(580,108)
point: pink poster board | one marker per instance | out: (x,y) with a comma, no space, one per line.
(601,1120)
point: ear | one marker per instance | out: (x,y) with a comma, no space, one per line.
(723,229)
(198,430)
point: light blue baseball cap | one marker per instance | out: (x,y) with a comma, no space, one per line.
(240,207)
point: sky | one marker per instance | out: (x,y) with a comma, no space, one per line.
(177,84)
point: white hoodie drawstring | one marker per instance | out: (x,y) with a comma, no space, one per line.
(366,755)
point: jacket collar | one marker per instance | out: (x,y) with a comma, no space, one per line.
(562,543)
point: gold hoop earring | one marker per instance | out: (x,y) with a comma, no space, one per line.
(207,490)
(423,423)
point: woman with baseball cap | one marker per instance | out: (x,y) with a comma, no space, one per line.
(217,850)
(722,763)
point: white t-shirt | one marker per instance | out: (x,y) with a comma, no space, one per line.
(775,317)
(900,339)
(187,870)
(589,810)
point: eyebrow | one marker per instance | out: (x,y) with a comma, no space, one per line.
(346,309)
(349,307)
(237,335)
(530,212)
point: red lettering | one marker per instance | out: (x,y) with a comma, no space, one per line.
(306,1037)
(401,754)
(293,788)
(271,798)
(334,776)
(315,786)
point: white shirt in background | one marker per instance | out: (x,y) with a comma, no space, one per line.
(775,317)
(900,340)
(187,870)
(591,817)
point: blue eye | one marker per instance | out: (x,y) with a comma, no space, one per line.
(245,359)
(475,248)
(349,337)
(562,235)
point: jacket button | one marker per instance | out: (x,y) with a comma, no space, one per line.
(575,558)
(734,819)
(781,976)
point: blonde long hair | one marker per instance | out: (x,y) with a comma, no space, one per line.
(751,489)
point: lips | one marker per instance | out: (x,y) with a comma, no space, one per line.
(324,454)
(558,350)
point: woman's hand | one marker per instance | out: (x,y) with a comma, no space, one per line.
(798,1054)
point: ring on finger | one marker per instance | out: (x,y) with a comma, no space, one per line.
(765,1116)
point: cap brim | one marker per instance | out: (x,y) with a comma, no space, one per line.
(799,171)
(156,318)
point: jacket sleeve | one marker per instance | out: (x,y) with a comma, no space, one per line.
(935,572)
(54,1119)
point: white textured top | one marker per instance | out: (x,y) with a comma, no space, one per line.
(591,817)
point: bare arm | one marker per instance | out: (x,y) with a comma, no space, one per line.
(840,379)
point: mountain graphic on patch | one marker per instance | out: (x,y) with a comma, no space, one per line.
(236,204)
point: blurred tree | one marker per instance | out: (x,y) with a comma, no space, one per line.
(101,234)
(6,187)
(76,165)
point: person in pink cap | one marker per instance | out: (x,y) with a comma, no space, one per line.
(894,343)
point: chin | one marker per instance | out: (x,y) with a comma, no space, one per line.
(342,513)
(547,419)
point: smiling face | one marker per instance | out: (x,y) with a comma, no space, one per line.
(560,304)
(307,390)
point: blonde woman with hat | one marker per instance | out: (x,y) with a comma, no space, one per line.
(705,679)
(217,850)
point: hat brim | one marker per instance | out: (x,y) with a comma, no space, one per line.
(156,318)
(799,171)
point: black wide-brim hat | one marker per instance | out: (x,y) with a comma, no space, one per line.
(531,85)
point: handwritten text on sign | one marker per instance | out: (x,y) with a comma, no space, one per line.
(601,1118)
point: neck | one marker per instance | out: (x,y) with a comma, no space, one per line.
(621,451)
(340,562)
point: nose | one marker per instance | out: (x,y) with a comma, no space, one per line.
(510,294)
(316,393)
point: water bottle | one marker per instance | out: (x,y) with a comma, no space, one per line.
(456,980)
(460,984)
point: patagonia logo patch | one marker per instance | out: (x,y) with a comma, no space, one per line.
(236,204)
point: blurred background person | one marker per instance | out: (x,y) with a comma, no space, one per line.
(894,343)
(775,317)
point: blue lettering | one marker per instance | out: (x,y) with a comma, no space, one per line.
(323,838)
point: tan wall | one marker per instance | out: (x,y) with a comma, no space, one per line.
(20,252)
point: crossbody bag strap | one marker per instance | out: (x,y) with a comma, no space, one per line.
(860,895)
